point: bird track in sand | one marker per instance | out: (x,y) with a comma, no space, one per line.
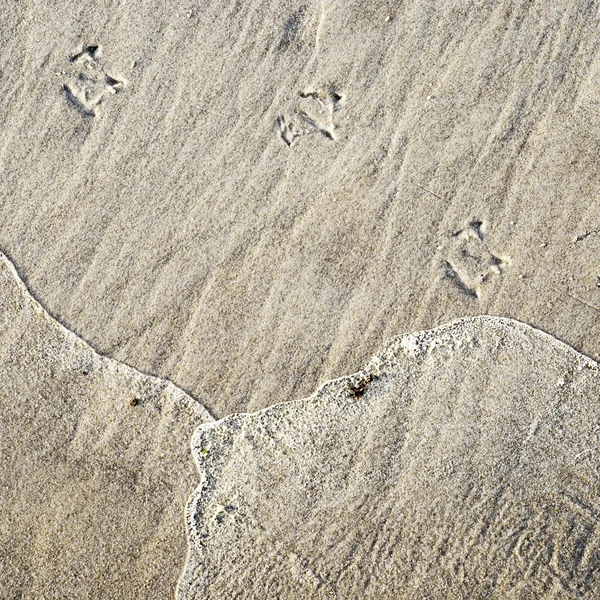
(86,87)
(312,114)
(469,263)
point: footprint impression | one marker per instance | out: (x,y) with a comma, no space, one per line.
(88,84)
(313,114)
(469,263)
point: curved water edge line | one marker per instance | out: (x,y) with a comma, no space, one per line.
(405,341)
(412,346)
(82,343)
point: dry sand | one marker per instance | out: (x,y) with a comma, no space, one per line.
(167,221)
(92,488)
(460,463)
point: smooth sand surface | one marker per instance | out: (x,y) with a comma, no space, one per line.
(249,198)
(460,463)
(95,465)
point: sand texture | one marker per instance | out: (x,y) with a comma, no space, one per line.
(460,463)
(249,198)
(244,199)
(95,464)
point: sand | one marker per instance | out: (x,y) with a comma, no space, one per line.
(201,225)
(459,463)
(96,464)
(241,201)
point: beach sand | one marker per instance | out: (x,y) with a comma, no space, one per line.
(248,199)
(96,464)
(459,463)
